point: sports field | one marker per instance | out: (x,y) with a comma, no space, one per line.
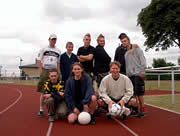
(20,103)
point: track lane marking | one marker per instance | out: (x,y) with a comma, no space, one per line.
(49,129)
(10,106)
(132,132)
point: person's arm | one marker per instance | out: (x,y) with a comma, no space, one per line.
(128,92)
(80,60)
(58,67)
(89,89)
(86,57)
(69,95)
(103,91)
(39,66)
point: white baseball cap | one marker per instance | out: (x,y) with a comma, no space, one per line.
(52,36)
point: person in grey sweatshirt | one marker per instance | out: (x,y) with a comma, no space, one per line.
(135,70)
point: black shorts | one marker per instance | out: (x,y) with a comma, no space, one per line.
(138,84)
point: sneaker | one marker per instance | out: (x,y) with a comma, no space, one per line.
(40,113)
(51,119)
(134,113)
(141,114)
(108,117)
(93,121)
(124,117)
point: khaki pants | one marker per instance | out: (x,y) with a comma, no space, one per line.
(60,109)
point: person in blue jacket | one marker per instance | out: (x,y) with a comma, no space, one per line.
(79,94)
(66,60)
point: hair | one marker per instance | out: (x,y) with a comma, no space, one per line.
(88,35)
(79,64)
(115,63)
(123,35)
(100,36)
(52,70)
(69,43)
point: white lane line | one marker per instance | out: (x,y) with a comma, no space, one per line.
(163,108)
(13,102)
(49,129)
(132,132)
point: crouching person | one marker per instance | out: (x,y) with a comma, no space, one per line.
(116,88)
(54,96)
(79,94)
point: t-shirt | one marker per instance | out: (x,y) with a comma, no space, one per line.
(78,94)
(88,65)
(49,57)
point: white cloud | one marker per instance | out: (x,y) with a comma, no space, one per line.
(26,25)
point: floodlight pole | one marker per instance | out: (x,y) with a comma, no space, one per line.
(20,66)
(172,78)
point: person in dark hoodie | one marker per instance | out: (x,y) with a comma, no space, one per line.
(79,94)
(101,60)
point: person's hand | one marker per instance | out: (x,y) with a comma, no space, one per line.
(86,108)
(76,111)
(61,93)
(46,96)
(121,102)
(110,104)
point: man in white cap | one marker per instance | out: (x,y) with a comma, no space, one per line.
(48,58)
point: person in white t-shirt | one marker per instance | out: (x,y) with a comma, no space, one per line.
(48,58)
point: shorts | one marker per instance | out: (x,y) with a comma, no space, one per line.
(43,78)
(138,84)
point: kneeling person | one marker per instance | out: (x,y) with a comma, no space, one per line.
(79,94)
(54,96)
(116,88)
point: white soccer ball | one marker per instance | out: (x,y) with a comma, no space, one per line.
(115,110)
(84,118)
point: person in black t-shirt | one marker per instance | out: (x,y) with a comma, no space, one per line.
(119,55)
(102,60)
(85,55)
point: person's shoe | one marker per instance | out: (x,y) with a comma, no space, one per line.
(124,117)
(134,113)
(108,117)
(93,121)
(141,114)
(40,113)
(51,119)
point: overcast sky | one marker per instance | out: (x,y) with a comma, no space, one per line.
(26,25)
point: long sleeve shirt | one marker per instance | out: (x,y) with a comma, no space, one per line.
(117,89)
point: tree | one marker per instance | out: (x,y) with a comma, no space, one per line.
(179,60)
(160,62)
(160,23)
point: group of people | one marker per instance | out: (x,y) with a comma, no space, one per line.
(66,80)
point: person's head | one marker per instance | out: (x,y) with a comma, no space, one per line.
(52,40)
(69,47)
(115,69)
(53,75)
(87,40)
(101,40)
(77,70)
(124,39)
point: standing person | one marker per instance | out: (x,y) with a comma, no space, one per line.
(116,88)
(79,94)
(85,55)
(53,93)
(66,60)
(135,70)
(48,58)
(119,55)
(102,60)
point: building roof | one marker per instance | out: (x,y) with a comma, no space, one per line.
(29,66)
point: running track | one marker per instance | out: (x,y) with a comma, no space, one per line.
(18,117)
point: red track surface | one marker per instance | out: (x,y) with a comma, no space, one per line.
(22,120)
